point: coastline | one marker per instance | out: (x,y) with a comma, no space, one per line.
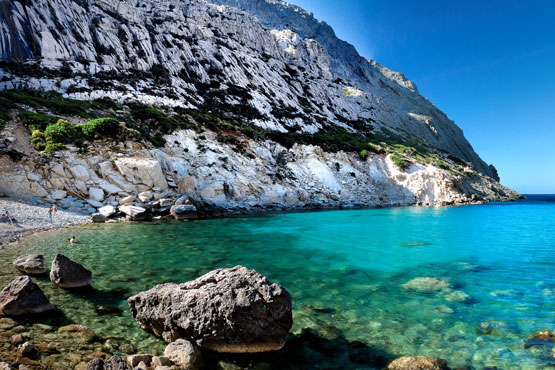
(28,219)
(25,227)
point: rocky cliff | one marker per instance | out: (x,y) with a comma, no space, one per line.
(255,102)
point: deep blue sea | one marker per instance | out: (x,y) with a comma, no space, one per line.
(493,267)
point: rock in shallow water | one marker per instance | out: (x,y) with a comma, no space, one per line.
(183,354)
(22,296)
(232,310)
(30,264)
(68,274)
(427,285)
(417,363)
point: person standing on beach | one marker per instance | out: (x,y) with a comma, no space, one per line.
(54,209)
(50,214)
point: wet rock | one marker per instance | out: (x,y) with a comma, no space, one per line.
(458,296)
(494,328)
(77,332)
(17,339)
(183,354)
(184,212)
(32,264)
(133,360)
(161,361)
(417,363)
(163,368)
(5,365)
(427,285)
(95,364)
(227,310)
(68,274)
(27,349)
(98,217)
(540,338)
(22,296)
(116,363)
(46,348)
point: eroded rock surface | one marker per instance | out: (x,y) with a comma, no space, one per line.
(226,310)
(418,363)
(68,274)
(32,264)
(22,296)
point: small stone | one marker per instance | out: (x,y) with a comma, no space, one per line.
(96,364)
(17,339)
(161,361)
(183,353)
(26,349)
(134,360)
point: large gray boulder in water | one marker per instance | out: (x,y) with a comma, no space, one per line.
(233,310)
(22,296)
(32,264)
(68,274)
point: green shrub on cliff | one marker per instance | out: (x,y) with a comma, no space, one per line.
(401,162)
(61,132)
(100,128)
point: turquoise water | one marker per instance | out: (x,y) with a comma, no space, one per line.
(345,271)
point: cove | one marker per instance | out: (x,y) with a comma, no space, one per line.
(347,272)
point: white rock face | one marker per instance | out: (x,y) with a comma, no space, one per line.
(142,171)
(273,58)
(96,194)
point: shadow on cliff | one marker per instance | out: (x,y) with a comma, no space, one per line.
(307,350)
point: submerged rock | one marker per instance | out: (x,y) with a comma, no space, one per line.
(227,310)
(543,337)
(427,285)
(183,354)
(22,296)
(30,264)
(68,274)
(417,363)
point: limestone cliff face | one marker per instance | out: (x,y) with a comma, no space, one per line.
(272,62)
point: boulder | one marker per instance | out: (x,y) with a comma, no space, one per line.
(161,361)
(68,274)
(127,199)
(17,339)
(32,264)
(145,196)
(109,188)
(107,211)
(22,296)
(26,349)
(133,360)
(96,194)
(95,204)
(184,212)
(116,363)
(232,310)
(96,363)
(183,354)
(58,194)
(98,217)
(80,173)
(134,212)
(142,171)
(5,365)
(165,202)
(417,363)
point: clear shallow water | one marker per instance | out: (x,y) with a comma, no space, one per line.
(345,271)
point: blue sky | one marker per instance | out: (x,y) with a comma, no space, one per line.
(489,65)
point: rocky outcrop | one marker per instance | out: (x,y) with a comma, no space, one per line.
(183,354)
(32,264)
(418,363)
(68,274)
(22,296)
(226,310)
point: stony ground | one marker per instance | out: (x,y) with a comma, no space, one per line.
(19,218)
